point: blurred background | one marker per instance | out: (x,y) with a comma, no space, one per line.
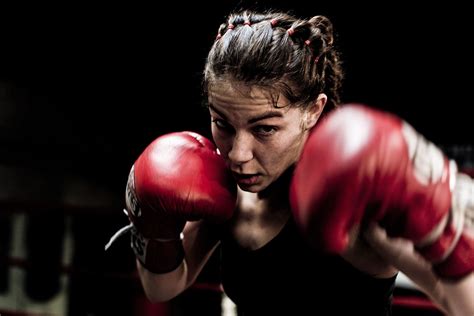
(84,88)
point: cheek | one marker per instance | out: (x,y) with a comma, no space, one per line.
(223,143)
(271,157)
(288,149)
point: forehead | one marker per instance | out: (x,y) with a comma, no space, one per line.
(228,94)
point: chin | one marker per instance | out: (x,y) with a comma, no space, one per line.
(253,188)
(249,188)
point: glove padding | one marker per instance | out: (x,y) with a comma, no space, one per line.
(361,165)
(179,177)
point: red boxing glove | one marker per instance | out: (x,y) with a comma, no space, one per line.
(179,177)
(361,165)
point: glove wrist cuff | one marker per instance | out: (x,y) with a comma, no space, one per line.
(157,255)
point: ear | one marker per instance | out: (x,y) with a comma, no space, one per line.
(314,111)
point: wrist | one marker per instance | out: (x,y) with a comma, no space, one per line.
(157,255)
(451,254)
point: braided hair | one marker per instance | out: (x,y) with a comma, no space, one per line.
(278,52)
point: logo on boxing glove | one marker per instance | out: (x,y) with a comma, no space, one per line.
(130,195)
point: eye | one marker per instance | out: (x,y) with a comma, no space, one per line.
(220,124)
(265,130)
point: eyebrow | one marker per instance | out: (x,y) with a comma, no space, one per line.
(266,115)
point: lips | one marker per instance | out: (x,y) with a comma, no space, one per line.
(246,178)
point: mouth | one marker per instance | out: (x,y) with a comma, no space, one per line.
(246,178)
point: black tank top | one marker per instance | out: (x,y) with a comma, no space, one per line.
(287,277)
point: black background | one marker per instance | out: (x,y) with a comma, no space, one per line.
(94,84)
(85,87)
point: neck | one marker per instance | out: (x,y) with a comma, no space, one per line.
(275,196)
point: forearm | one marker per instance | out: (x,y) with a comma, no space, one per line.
(454,297)
(162,269)
(199,243)
(459,296)
(163,286)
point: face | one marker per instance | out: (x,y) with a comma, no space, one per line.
(258,140)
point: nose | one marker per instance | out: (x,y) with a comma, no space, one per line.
(241,151)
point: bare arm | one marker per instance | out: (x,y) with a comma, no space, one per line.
(455,297)
(200,241)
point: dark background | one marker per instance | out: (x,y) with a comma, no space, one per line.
(93,85)
(84,88)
